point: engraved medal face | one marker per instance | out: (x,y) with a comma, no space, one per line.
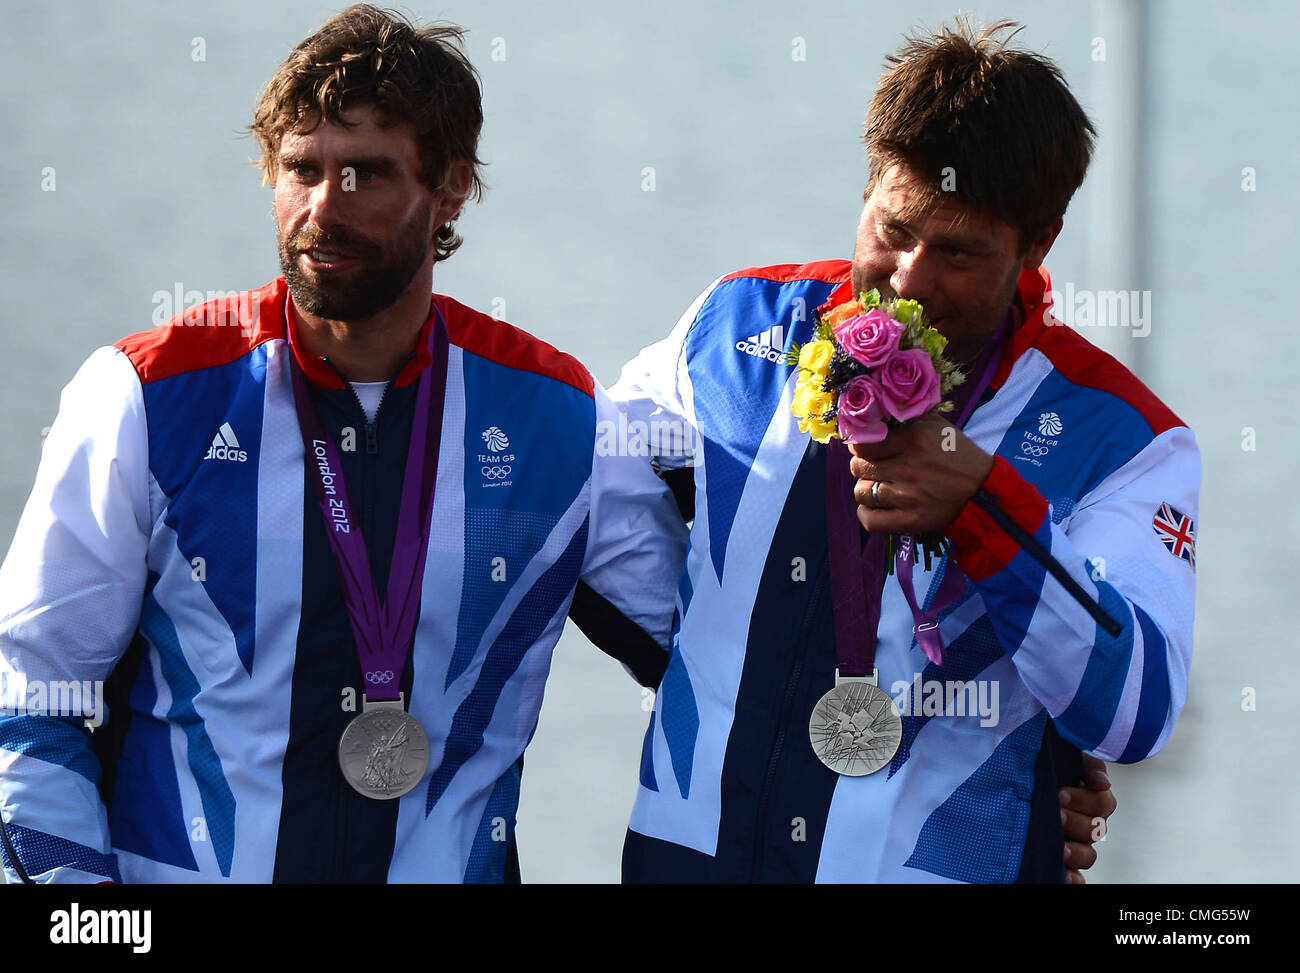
(384,753)
(855,728)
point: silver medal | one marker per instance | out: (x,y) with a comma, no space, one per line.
(384,751)
(855,728)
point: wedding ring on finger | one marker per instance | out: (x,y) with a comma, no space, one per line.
(875,494)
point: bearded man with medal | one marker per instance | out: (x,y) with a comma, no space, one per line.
(891,660)
(322,557)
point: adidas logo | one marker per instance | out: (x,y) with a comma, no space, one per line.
(770,344)
(226,446)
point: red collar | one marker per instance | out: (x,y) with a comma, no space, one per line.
(319,373)
(840,295)
(1033,288)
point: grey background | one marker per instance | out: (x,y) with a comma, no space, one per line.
(757,160)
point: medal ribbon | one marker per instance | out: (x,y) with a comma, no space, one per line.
(858,570)
(382,628)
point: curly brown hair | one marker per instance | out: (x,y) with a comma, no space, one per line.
(994,125)
(414,75)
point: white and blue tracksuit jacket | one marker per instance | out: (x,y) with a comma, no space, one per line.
(172,549)
(1087,460)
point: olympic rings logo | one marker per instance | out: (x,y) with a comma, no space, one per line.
(496,472)
(380,678)
(1033,450)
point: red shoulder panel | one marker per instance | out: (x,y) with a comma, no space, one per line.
(507,345)
(207,335)
(1075,357)
(828,271)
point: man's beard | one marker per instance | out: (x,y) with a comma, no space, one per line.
(381,277)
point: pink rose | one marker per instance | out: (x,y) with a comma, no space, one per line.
(859,414)
(909,385)
(870,338)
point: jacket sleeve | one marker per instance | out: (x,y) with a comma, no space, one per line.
(635,550)
(1117,697)
(645,440)
(70,596)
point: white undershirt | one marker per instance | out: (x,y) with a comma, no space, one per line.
(370,394)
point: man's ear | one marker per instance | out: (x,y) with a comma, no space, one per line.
(1038,247)
(459,177)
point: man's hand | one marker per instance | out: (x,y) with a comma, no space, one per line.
(927,469)
(1084,814)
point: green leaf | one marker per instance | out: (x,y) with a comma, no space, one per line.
(935,343)
(907,312)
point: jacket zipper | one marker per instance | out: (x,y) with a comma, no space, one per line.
(370,428)
(783,718)
(372,433)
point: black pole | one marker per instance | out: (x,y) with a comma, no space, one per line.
(1044,557)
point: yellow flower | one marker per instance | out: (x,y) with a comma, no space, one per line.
(816,357)
(809,399)
(820,431)
(810,404)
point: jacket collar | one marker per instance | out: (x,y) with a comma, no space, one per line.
(1033,290)
(319,372)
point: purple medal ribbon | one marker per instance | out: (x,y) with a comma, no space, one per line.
(382,628)
(858,571)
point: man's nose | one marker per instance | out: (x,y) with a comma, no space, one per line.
(913,276)
(328,202)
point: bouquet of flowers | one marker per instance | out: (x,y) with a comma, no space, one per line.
(871,365)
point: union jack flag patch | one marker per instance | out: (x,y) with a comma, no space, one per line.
(1177,532)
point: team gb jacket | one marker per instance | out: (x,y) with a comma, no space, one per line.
(1087,461)
(172,548)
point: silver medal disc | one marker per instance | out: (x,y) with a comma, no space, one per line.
(384,751)
(855,728)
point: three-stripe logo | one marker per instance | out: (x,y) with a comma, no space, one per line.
(769,345)
(225,445)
